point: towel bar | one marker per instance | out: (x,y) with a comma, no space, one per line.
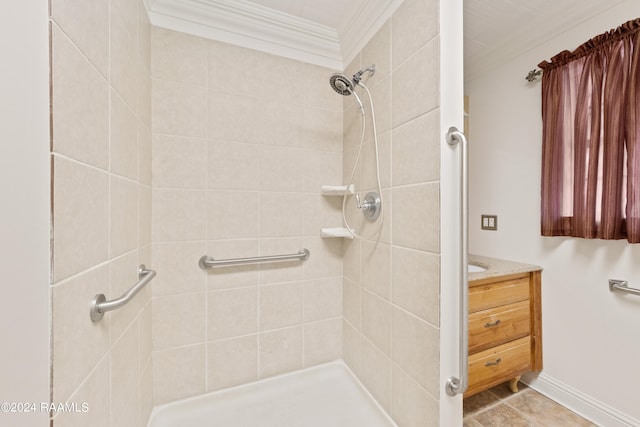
(622,286)
(207,261)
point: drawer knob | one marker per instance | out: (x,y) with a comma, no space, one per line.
(496,363)
(492,324)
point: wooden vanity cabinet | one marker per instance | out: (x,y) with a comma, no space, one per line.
(505,330)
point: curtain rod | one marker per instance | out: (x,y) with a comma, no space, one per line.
(534,75)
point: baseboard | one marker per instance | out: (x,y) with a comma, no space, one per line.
(580,403)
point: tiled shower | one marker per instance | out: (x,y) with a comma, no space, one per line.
(168,146)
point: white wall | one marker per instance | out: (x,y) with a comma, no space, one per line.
(590,335)
(24,217)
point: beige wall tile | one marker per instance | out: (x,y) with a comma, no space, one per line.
(144,35)
(416,350)
(144,216)
(378,52)
(233,276)
(368,174)
(95,394)
(179,162)
(416,217)
(80,102)
(233,70)
(178,373)
(280,351)
(146,394)
(125,379)
(413,97)
(322,299)
(178,109)
(87,25)
(351,303)
(280,214)
(144,154)
(281,168)
(127,10)
(323,129)
(411,405)
(380,88)
(232,312)
(178,215)
(80,217)
(322,341)
(416,283)
(376,374)
(144,92)
(416,150)
(145,324)
(233,118)
(325,259)
(123,215)
(231,362)
(280,123)
(280,305)
(376,268)
(376,321)
(319,212)
(317,91)
(123,64)
(352,259)
(233,214)
(78,343)
(178,320)
(177,264)
(123,150)
(123,272)
(278,272)
(273,69)
(351,347)
(233,166)
(178,57)
(321,168)
(414,24)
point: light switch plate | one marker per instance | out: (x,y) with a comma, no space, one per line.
(489,222)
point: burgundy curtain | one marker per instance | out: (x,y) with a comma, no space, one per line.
(591,138)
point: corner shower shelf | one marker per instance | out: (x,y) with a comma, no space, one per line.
(336,190)
(335,232)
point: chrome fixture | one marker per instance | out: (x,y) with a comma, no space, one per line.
(371,206)
(345,86)
(100,305)
(207,261)
(622,286)
(456,385)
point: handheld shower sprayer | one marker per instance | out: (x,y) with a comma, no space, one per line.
(345,86)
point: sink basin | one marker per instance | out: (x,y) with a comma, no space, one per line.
(472,268)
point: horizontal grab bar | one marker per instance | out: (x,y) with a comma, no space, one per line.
(622,286)
(207,261)
(100,305)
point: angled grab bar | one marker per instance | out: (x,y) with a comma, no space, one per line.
(622,286)
(456,385)
(100,305)
(208,262)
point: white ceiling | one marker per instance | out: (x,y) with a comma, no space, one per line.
(331,32)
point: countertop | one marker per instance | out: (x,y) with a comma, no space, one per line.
(498,267)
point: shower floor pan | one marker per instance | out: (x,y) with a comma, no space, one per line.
(321,396)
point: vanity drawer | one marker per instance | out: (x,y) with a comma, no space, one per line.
(486,296)
(499,325)
(496,365)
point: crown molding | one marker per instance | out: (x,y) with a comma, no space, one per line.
(251,25)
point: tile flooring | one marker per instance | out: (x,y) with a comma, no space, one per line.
(498,407)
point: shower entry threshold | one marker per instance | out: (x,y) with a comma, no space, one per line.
(321,396)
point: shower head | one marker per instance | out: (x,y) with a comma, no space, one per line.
(341,84)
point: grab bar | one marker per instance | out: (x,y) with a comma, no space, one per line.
(459,385)
(208,262)
(622,286)
(100,305)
